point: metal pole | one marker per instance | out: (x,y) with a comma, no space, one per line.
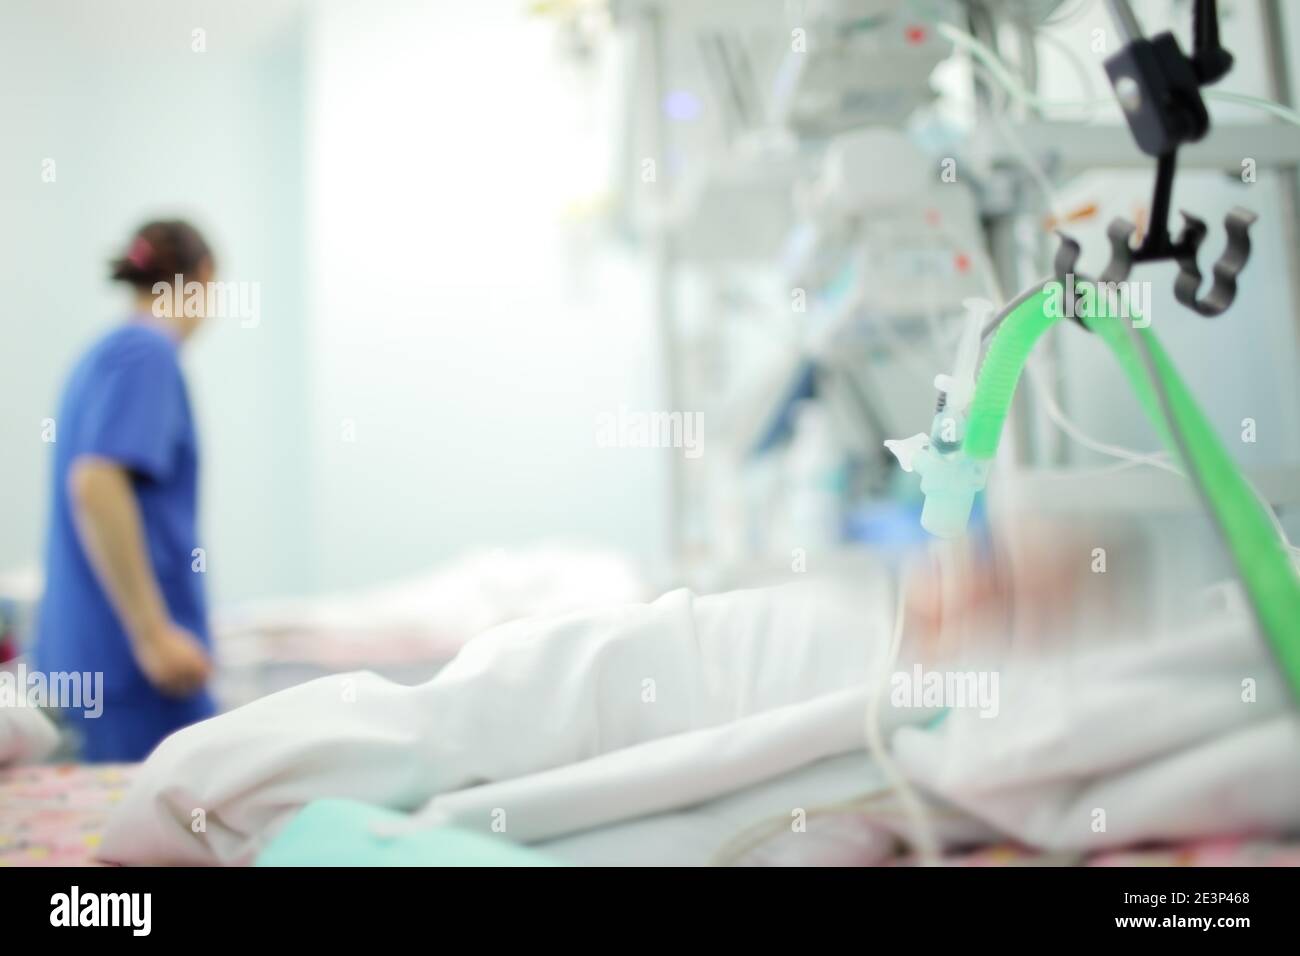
(1125,21)
(664,277)
(1289,174)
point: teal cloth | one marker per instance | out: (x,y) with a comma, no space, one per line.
(338,833)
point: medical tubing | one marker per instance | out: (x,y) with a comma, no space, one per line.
(1013,340)
(1262,563)
(923,837)
(1000,72)
(1267,574)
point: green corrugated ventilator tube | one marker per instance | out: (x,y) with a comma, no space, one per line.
(1270,579)
(1001,369)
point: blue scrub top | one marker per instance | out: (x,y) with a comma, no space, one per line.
(125,401)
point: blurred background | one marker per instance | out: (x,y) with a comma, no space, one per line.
(561,304)
(479,228)
(412,185)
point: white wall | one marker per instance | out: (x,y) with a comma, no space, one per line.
(451,325)
(416,274)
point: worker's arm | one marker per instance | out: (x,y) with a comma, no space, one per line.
(108,523)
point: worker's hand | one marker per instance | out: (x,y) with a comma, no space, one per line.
(174,660)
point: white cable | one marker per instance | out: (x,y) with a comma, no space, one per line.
(922,832)
(1091,100)
(1063,422)
(1285,113)
(1272,517)
(912,805)
(1004,78)
(1032,166)
(1001,74)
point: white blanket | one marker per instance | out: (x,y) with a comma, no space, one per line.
(440,608)
(549,728)
(526,697)
(1175,737)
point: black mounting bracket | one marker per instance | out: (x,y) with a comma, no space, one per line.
(1158,87)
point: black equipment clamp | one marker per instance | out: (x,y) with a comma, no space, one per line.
(1158,87)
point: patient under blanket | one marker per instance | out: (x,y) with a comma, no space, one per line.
(621,715)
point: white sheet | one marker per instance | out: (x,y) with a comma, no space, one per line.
(523,698)
(438,609)
(594,718)
(660,774)
(1158,735)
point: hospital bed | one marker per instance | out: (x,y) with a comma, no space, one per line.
(404,630)
(408,628)
(54,815)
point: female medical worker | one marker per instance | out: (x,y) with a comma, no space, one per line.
(121,597)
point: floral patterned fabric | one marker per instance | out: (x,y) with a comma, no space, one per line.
(53,815)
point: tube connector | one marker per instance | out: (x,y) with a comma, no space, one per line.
(949,480)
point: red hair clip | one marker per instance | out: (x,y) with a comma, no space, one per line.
(140,253)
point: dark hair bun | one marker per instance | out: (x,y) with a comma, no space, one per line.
(159,251)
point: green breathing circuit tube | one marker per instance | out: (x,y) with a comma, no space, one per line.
(1263,564)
